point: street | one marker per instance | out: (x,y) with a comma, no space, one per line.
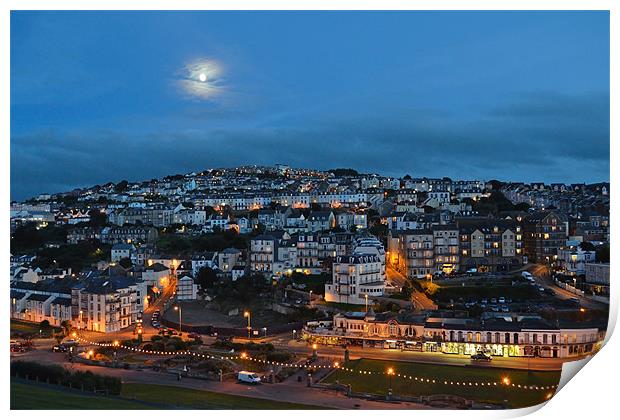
(543,278)
(420,300)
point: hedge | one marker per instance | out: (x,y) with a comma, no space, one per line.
(58,375)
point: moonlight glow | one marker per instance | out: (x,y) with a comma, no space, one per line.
(201,79)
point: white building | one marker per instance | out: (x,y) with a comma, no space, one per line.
(120,251)
(187,289)
(573,260)
(354,277)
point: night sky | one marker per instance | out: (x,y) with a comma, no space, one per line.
(106,96)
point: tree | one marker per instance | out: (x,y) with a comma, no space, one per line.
(495,184)
(125,262)
(121,186)
(587,246)
(66,326)
(45,326)
(522,207)
(98,218)
(206,279)
(602,253)
(407,289)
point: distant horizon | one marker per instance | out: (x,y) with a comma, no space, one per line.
(104,96)
(361,172)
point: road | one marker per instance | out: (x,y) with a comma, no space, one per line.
(289,391)
(543,277)
(420,300)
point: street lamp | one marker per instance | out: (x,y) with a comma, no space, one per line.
(249,317)
(265,331)
(366,297)
(310,298)
(80,325)
(178,308)
(390,373)
(294,332)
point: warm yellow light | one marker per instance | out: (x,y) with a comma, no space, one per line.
(582,309)
(336,364)
(115,342)
(140,331)
(74,334)
(549,395)
(246,314)
(176,308)
(244,355)
(506,380)
(390,371)
(314,346)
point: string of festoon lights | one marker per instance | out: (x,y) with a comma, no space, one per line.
(505,382)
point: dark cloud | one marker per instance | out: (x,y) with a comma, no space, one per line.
(532,137)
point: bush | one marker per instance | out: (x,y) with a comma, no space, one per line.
(60,375)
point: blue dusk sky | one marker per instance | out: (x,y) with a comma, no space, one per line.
(106,96)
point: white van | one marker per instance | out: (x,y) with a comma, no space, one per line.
(527,275)
(248,377)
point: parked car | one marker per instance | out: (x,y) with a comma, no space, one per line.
(481,357)
(501,300)
(18,348)
(527,275)
(193,336)
(248,377)
(61,348)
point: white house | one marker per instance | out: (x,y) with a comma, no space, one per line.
(187,289)
(120,251)
(355,277)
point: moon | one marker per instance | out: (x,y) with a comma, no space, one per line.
(202,77)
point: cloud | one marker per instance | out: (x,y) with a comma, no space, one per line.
(548,137)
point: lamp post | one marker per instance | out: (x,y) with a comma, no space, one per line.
(249,317)
(265,331)
(178,308)
(390,373)
(294,332)
(366,297)
(310,298)
(80,325)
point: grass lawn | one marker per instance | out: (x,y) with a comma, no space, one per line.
(198,399)
(27,327)
(35,397)
(515,397)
